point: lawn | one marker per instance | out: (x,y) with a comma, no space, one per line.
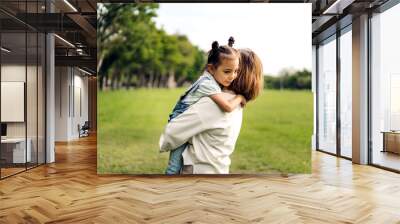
(275,135)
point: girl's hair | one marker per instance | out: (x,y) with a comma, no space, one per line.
(218,53)
(250,79)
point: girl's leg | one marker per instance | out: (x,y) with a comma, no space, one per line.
(175,162)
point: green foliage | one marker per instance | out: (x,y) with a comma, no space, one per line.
(275,134)
(134,52)
(300,79)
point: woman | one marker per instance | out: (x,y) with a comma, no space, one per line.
(220,70)
(212,133)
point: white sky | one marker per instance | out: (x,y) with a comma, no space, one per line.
(279,33)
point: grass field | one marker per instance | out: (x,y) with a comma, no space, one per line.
(275,135)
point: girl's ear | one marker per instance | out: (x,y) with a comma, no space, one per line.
(210,68)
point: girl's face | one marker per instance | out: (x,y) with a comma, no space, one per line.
(226,72)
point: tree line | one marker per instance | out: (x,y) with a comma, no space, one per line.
(289,79)
(133,52)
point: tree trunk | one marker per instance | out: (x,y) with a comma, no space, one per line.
(145,80)
(156,80)
(180,81)
(119,82)
(141,80)
(112,83)
(100,62)
(114,80)
(161,83)
(101,81)
(108,82)
(150,81)
(129,81)
(170,83)
(153,84)
(159,80)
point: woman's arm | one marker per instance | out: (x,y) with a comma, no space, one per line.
(180,129)
(201,116)
(228,105)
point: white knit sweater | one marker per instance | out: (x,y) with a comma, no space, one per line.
(212,135)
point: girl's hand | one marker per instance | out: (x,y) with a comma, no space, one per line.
(244,101)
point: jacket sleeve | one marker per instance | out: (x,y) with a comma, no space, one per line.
(196,119)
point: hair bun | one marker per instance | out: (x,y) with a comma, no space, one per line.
(231,41)
(215,45)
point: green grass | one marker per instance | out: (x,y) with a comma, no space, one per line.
(275,135)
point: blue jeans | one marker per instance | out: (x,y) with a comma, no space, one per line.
(175,163)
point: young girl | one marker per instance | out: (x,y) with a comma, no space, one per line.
(221,70)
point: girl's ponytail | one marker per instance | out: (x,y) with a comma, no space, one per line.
(231,41)
(218,52)
(214,46)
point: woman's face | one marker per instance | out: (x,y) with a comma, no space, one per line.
(249,81)
(226,72)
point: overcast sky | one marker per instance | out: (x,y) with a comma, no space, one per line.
(279,33)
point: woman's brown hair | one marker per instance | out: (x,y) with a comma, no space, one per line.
(250,79)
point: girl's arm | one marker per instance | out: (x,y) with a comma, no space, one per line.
(228,105)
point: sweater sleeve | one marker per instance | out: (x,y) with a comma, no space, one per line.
(180,129)
(199,117)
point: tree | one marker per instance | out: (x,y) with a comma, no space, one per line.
(134,52)
(289,79)
(118,24)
